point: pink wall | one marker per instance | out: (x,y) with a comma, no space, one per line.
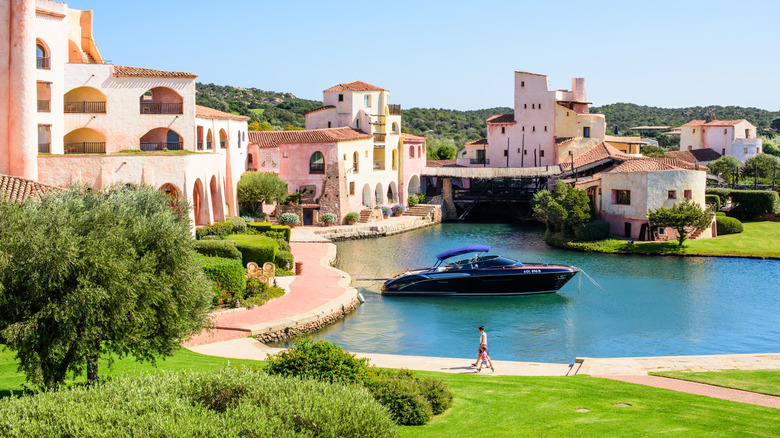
(294,164)
(411,166)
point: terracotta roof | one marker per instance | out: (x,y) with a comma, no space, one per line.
(138,72)
(481,141)
(355,86)
(319,109)
(704,155)
(562,140)
(695,123)
(408,136)
(600,152)
(442,163)
(674,162)
(641,165)
(502,118)
(14,189)
(272,139)
(725,122)
(615,139)
(210,113)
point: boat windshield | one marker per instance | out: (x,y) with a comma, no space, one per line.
(485,262)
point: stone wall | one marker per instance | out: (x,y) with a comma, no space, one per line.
(291,332)
(283,208)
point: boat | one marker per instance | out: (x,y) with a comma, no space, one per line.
(481,275)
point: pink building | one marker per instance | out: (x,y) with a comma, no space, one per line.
(737,138)
(70,116)
(534,135)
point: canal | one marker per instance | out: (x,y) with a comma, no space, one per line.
(652,306)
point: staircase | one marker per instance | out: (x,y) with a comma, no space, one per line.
(370,215)
(427,211)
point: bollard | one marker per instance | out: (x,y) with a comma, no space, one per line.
(298,268)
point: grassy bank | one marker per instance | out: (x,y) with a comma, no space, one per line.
(759,239)
(527,406)
(761,381)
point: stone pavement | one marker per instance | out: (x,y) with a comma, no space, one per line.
(384,227)
(640,366)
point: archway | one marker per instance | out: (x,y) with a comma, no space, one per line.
(199,204)
(85,100)
(216,200)
(161,100)
(250,162)
(209,139)
(84,141)
(160,139)
(367,196)
(413,187)
(172,192)
(392,193)
(222,139)
(379,194)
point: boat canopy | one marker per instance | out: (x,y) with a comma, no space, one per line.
(462,250)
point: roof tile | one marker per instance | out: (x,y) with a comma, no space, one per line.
(138,72)
(15,189)
(210,113)
(704,155)
(272,139)
(502,118)
(355,86)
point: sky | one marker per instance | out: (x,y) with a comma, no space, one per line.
(459,54)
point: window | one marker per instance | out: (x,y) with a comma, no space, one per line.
(395,159)
(525,106)
(345,157)
(747,133)
(545,129)
(518,150)
(540,106)
(506,152)
(541,154)
(355,162)
(44,139)
(671,194)
(367,100)
(586,131)
(317,163)
(744,151)
(690,148)
(419,151)
(533,128)
(523,128)
(357,123)
(533,106)
(688,194)
(411,151)
(42,57)
(352,188)
(725,131)
(622,197)
(503,130)
(525,152)
(329,124)
(341,97)
(694,131)
(522,83)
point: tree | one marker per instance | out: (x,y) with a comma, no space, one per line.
(562,208)
(775,124)
(683,217)
(726,166)
(765,164)
(652,151)
(85,273)
(769,148)
(256,188)
(440,149)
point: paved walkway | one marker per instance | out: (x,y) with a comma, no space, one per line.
(702,389)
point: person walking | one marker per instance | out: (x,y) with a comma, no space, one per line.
(482,343)
(484,359)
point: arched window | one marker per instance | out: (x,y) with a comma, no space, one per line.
(395,127)
(317,163)
(355,161)
(42,56)
(411,151)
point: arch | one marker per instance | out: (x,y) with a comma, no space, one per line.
(317,163)
(367,196)
(379,194)
(395,159)
(411,151)
(209,139)
(161,100)
(394,128)
(172,192)
(355,162)
(250,161)
(85,100)
(222,139)
(84,141)
(216,200)
(392,193)
(160,139)
(74,52)
(42,54)
(413,187)
(200,207)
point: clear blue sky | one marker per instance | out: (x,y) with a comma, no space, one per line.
(459,54)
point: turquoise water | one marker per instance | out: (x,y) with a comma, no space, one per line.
(654,306)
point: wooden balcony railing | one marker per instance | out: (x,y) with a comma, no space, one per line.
(43,63)
(379,137)
(395,110)
(44,106)
(161,108)
(317,168)
(161,146)
(44,148)
(86,147)
(84,107)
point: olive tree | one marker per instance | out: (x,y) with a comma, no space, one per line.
(683,217)
(87,273)
(562,208)
(256,188)
(725,167)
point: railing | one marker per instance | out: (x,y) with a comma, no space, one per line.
(208,145)
(44,106)
(222,144)
(380,137)
(43,63)
(480,161)
(395,110)
(161,146)
(85,107)
(316,168)
(379,165)
(200,145)
(86,147)
(161,108)
(44,148)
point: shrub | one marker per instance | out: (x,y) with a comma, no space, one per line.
(386,211)
(284,259)
(594,230)
(258,249)
(217,248)
(713,200)
(289,219)
(728,225)
(398,209)
(351,217)
(403,399)
(755,202)
(722,193)
(263,295)
(720,214)
(412,198)
(321,360)
(238,224)
(262,227)
(211,238)
(329,218)
(437,393)
(254,287)
(227,275)
(218,229)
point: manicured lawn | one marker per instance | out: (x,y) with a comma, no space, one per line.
(759,239)
(761,381)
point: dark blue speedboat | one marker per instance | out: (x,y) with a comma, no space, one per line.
(481,275)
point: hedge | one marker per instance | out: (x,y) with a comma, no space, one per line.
(728,225)
(238,224)
(218,229)
(595,230)
(217,248)
(258,249)
(284,259)
(267,226)
(721,193)
(229,274)
(755,202)
(713,200)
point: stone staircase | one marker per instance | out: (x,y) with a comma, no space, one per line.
(370,215)
(427,211)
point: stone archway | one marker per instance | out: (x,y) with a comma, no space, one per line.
(200,206)
(392,193)
(173,192)
(216,200)
(367,196)
(379,195)
(413,187)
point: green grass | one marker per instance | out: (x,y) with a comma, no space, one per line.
(759,239)
(761,381)
(257,111)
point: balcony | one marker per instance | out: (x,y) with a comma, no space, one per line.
(480,161)
(379,137)
(44,148)
(161,146)
(44,106)
(317,168)
(162,108)
(85,147)
(395,110)
(379,165)
(43,63)
(84,107)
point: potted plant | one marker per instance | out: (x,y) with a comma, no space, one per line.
(328,219)
(386,212)
(398,209)
(290,219)
(351,218)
